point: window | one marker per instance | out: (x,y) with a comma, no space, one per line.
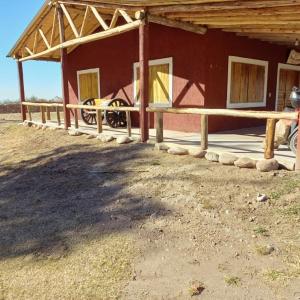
(160,82)
(247,82)
(88,82)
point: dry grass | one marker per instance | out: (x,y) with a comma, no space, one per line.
(96,269)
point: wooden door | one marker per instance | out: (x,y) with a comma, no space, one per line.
(88,85)
(159,84)
(287,80)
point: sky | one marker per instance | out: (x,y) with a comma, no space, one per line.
(42,79)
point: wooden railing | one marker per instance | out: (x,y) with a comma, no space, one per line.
(45,110)
(99,110)
(271,118)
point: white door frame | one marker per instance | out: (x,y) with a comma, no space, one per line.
(279,68)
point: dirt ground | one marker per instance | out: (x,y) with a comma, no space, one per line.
(80,219)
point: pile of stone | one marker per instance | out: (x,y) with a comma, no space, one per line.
(228,159)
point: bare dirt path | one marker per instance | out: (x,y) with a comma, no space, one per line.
(84,220)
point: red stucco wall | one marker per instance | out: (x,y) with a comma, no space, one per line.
(200,67)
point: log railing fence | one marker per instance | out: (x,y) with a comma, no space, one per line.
(271,118)
(45,111)
(98,110)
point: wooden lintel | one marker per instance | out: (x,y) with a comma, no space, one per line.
(177,24)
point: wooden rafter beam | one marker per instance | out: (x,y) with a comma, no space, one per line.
(125,15)
(177,24)
(44,38)
(90,38)
(99,18)
(54,24)
(29,51)
(66,13)
(114,19)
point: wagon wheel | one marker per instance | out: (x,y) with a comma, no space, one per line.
(89,115)
(116,119)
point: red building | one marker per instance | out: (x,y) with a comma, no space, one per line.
(196,57)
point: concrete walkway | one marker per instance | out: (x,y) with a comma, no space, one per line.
(244,142)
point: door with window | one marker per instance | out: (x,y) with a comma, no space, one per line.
(160,82)
(88,84)
(288,77)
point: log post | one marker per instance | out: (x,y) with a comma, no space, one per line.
(159,120)
(76,118)
(29,113)
(43,118)
(48,113)
(204,132)
(298,146)
(99,121)
(21,90)
(58,116)
(270,137)
(128,117)
(144,77)
(64,62)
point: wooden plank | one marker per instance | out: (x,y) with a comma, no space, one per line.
(99,120)
(44,38)
(114,19)
(159,120)
(125,15)
(128,117)
(270,138)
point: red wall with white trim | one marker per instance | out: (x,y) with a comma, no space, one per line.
(200,70)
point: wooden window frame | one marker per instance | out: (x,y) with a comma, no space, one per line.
(280,67)
(237,59)
(155,62)
(87,71)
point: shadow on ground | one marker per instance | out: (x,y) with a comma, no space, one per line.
(67,196)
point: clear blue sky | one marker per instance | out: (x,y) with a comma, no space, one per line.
(42,79)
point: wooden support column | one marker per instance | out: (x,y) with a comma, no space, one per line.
(204,132)
(298,146)
(159,120)
(270,137)
(99,121)
(128,118)
(58,116)
(144,78)
(64,66)
(21,90)
(76,118)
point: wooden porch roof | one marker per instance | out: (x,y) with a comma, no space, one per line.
(269,20)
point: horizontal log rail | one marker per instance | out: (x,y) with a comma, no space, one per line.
(229,113)
(99,110)
(97,107)
(40,104)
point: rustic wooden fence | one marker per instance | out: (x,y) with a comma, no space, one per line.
(45,111)
(271,117)
(99,110)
